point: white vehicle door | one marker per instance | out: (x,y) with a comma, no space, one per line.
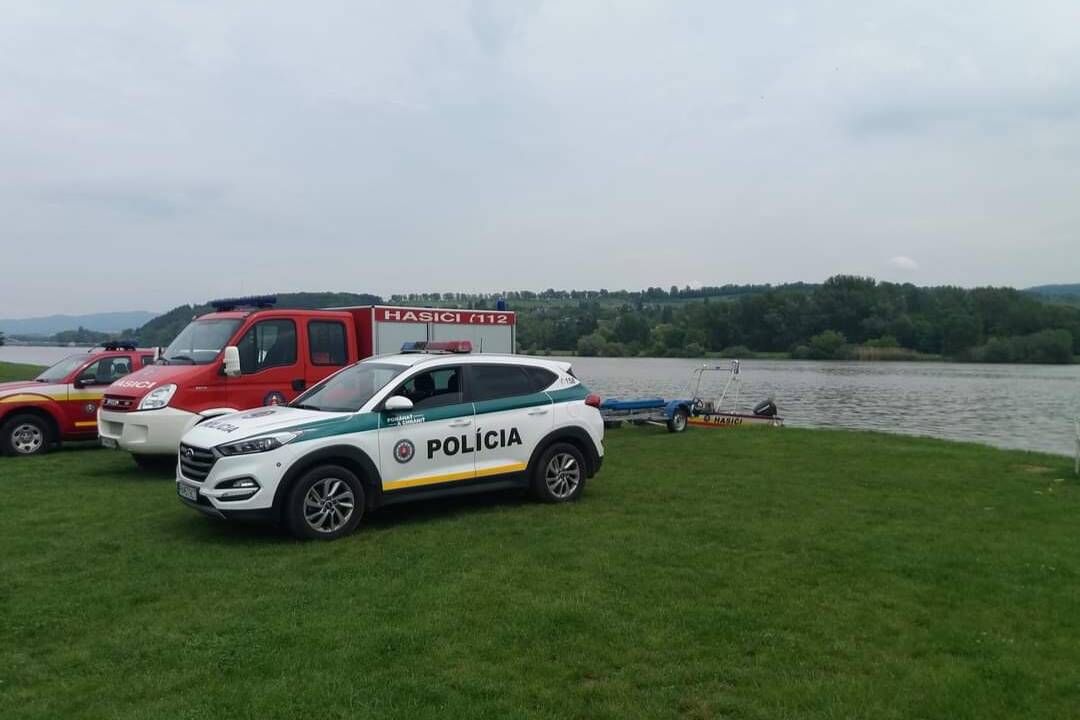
(431,444)
(512,415)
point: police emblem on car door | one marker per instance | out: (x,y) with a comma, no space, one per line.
(432,443)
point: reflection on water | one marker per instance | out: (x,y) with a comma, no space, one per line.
(1030,407)
(1016,406)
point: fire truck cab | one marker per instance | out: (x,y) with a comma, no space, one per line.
(62,402)
(248,354)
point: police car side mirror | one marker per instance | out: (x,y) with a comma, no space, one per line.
(397,403)
(231,366)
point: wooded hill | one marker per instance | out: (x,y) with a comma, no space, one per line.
(844,317)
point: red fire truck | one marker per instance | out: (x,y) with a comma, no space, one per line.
(248,353)
(62,402)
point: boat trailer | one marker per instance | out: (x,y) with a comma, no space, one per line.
(676,415)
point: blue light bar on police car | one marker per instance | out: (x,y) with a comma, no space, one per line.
(446,346)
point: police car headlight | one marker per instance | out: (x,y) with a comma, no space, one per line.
(257,444)
(158,398)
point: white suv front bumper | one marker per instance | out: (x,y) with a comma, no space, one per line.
(145,432)
(205,495)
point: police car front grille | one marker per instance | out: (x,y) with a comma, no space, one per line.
(118,403)
(195,463)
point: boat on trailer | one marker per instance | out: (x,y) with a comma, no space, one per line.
(696,411)
(709,413)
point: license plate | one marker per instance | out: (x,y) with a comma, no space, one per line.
(187,492)
(109,442)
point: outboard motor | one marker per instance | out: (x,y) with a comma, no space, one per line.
(766,408)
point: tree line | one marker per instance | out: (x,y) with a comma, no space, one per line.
(844,317)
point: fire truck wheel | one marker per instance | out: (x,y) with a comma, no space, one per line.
(158,463)
(25,435)
(677,423)
(326,503)
(559,475)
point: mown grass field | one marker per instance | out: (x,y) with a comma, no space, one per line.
(713,574)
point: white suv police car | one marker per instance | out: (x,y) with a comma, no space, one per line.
(396,428)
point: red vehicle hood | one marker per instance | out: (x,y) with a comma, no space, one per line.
(30,391)
(140,382)
(10,388)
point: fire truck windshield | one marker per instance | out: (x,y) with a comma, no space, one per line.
(349,389)
(62,369)
(200,342)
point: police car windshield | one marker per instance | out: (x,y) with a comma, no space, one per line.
(200,342)
(62,369)
(348,390)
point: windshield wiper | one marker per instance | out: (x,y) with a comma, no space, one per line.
(181,357)
(306,407)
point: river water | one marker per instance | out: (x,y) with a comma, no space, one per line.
(1030,407)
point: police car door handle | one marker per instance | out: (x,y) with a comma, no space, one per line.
(541,411)
(461,423)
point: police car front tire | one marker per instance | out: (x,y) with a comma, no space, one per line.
(559,476)
(325,504)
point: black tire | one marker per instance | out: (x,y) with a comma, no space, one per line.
(319,484)
(559,474)
(155,463)
(25,435)
(677,423)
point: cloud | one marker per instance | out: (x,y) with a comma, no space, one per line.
(490,145)
(903,262)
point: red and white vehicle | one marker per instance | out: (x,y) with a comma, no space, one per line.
(62,402)
(248,353)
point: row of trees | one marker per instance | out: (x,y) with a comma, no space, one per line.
(844,317)
(828,320)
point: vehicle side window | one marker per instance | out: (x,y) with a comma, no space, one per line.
(541,378)
(146,360)
(326,342)
(105,371)
(434,388)
(270,343)
(490,382)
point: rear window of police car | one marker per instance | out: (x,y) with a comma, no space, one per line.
(490,382)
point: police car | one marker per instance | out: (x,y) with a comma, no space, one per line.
(394,428)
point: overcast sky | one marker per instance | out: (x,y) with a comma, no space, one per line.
(154,153)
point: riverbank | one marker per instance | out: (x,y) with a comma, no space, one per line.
(745,573)
(858,354)
(19,371)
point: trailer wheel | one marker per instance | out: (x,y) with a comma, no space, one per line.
(677,423)
(25,435)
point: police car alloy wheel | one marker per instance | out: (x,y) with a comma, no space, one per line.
(327,503)
(25,435)
(560,474)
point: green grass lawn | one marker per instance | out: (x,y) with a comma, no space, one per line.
(713,574)
(17,371)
